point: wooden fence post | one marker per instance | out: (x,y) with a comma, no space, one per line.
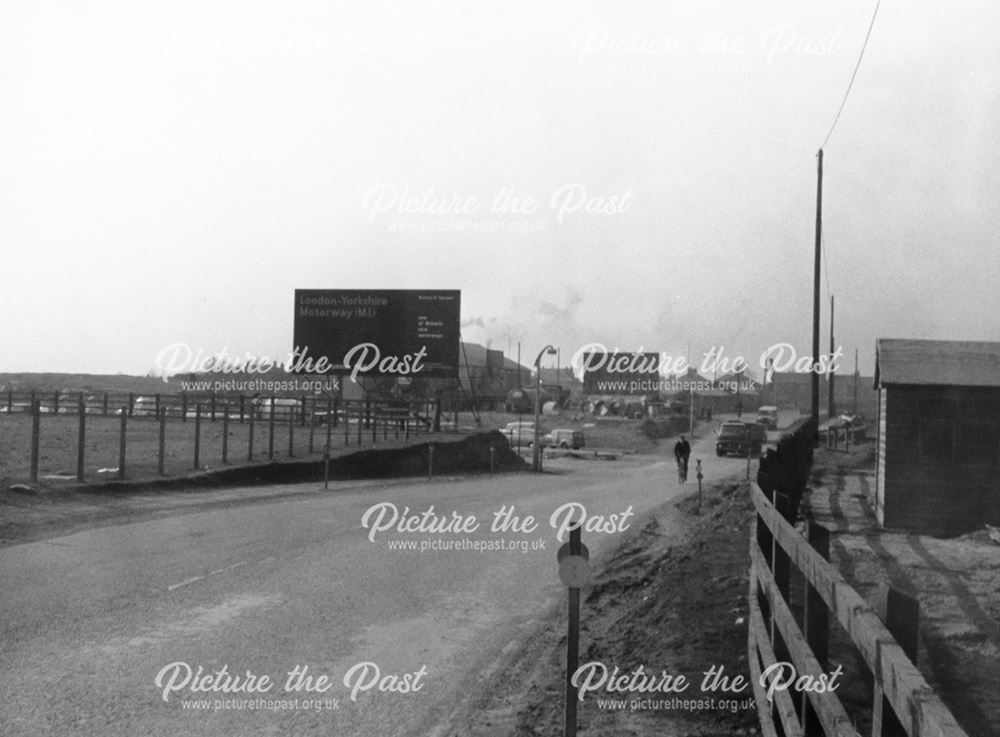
(901,614)
(81,437)
(781,568)
(765,541)
(225,433)
(250,435)
(270,432)
(161,417)
(197,434)
(121,443)
(36,421)
(816,626)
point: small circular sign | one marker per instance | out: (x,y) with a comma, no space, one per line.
(564,552)
(574,572)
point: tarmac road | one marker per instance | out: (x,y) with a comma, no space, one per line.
(104,630)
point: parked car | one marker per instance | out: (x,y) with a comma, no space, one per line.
(563,438)
(740,438)
(520,434)
(768,417)
(281,406)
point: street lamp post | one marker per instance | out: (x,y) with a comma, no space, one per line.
(536,456)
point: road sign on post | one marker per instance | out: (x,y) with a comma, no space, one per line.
(700,475)
(574,571)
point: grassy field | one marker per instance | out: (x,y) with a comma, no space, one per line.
(59,435)
(59,441)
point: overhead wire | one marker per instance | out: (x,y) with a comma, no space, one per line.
(854,74)
(836,119)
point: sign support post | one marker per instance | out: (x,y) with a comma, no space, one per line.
(574,571)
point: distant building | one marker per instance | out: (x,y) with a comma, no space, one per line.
(790,391)
(562,376)
(485,377)
(938,435)
(745,390)
(794,391)
(707,399)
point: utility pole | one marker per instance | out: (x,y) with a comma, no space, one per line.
(854,409)
(830,372)
(816,268)
(774,381)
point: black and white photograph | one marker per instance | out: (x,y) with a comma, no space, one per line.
(499,369)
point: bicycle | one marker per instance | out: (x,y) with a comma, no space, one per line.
(682,469)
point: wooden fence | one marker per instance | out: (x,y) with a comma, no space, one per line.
(212,405)
(902,702)
(326,421)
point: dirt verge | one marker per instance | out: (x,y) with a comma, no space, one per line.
(672,603)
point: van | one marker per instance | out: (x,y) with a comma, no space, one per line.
(740,438)
(564,438)
(520,433)
(768,417)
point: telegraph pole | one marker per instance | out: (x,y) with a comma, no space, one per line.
(854,410)
(816,267)
(830,372)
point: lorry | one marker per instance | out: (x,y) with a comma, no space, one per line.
(740,438)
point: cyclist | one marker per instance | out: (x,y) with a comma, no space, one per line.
(682,452)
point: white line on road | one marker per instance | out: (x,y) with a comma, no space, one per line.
(184,583)
(195,579)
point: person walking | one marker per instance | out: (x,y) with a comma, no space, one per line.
(682,452)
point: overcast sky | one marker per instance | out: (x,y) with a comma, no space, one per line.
(172,172)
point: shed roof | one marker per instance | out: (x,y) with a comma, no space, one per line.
(939,362)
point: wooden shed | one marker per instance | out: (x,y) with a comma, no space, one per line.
(938,459)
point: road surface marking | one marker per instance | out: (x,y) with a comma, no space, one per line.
(184,583)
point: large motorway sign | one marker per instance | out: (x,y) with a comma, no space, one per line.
(377,332)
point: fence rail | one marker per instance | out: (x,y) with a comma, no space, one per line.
(132,423)
(213,405)
(902,702)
